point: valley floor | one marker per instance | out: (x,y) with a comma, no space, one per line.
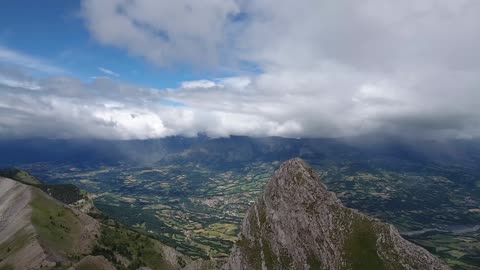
(198,209)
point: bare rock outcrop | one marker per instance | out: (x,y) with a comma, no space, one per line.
(36,231)
(19,246)
(298,224)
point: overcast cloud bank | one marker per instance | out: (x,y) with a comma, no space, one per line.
(329,69)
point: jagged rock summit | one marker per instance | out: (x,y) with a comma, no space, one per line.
(298,224)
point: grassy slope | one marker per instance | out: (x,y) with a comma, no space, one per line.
(14,243)
(361,247)
(66,193)
(57,226)
(58,229)
(20,176)
(139,249)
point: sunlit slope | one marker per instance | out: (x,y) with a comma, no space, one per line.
(38,231)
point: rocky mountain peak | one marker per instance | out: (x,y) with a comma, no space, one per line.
(298,224)
(296,183)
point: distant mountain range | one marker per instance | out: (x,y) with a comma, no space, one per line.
(235,150)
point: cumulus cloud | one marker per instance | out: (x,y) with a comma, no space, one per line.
(162,31)
(105,108)
(341,68)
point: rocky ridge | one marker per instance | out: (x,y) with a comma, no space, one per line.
(36,231)
(298,224)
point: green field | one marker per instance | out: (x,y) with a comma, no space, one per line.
(198,209)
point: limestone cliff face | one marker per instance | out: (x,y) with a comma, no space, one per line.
(297,224)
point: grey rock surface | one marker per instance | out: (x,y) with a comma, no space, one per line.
(298,224)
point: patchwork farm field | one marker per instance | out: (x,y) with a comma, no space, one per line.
(198,209)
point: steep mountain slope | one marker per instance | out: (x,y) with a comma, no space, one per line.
(66,193)
(36,231)
(19,175)
(298,224)
(39,232)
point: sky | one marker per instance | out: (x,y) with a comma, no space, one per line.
(123,69)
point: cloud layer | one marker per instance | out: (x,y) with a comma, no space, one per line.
(329,68)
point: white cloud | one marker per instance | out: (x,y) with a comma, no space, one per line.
(161,31)
(21,60)
(108,71)
(18,83)
(105,108)
(198,84)
(235,82)
(341,68)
